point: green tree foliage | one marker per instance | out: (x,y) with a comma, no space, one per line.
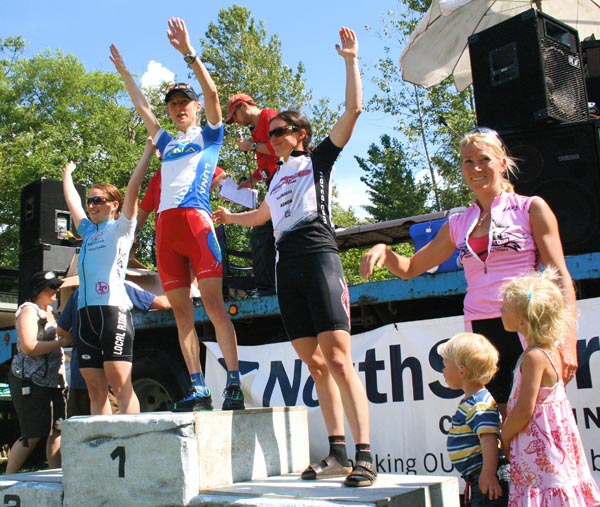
(424,143)
(53,111)
(393,191)
(242,58)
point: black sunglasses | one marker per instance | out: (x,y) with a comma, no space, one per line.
(281,131)
(96,200)
(55,286)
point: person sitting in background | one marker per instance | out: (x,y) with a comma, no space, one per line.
(243,111)
(470,361)
(78,402)
(37,374)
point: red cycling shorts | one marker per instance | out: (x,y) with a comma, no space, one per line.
(185,237)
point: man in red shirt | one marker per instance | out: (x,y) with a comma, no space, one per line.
(242,110)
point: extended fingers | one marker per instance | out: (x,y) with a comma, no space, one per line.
(347,34)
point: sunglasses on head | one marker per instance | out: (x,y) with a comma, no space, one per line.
(178,85)
(281,131)
(96,200)
(486,131)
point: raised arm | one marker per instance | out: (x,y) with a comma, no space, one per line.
(342,130)
(547,239)
(136,179)
(139,100)
(71,195)
(180,40)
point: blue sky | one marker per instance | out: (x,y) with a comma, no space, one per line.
(308,31)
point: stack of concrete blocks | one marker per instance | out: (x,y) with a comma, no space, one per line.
(40,489)
(165,458)
(204,459)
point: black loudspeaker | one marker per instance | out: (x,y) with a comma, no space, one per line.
(42,257)
(561,164)
(527,71)
(590,51)
(45,218)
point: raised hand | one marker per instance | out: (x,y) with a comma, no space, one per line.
(349,43)
(69,168)
(178,36)
(117,59)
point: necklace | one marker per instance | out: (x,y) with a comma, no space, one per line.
(482,218)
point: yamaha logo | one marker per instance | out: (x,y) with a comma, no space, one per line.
(569,158)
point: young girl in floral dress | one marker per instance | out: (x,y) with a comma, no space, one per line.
(547,459)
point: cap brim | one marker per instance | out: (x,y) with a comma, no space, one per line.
(231,111)
(190,94)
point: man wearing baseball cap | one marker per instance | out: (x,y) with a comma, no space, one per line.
(243,111)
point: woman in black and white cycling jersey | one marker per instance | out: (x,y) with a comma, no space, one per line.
(311,289)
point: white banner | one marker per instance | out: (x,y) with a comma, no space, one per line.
(410,405)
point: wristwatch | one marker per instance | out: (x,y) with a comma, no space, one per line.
(254,146)
(189,58)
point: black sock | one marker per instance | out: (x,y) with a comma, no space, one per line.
(363,453)
(337,449)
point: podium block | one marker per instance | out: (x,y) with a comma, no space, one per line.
(391,490)
(165,458)
(235,446)
(129,460)
(32,488)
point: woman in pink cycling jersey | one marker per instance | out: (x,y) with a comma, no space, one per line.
(499,236)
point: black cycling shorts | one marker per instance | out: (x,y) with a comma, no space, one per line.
(313,295)
(509,348)
(105,334)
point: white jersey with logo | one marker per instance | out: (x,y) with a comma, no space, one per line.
(299,198)
(103,262)
(188,164)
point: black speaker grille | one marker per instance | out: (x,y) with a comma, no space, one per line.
(527,71)
(564,82)
(561,164)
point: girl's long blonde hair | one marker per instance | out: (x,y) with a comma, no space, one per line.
(538,299)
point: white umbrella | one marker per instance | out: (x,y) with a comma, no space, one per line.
(438,46)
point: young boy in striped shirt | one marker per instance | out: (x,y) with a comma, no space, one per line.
(470,362)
